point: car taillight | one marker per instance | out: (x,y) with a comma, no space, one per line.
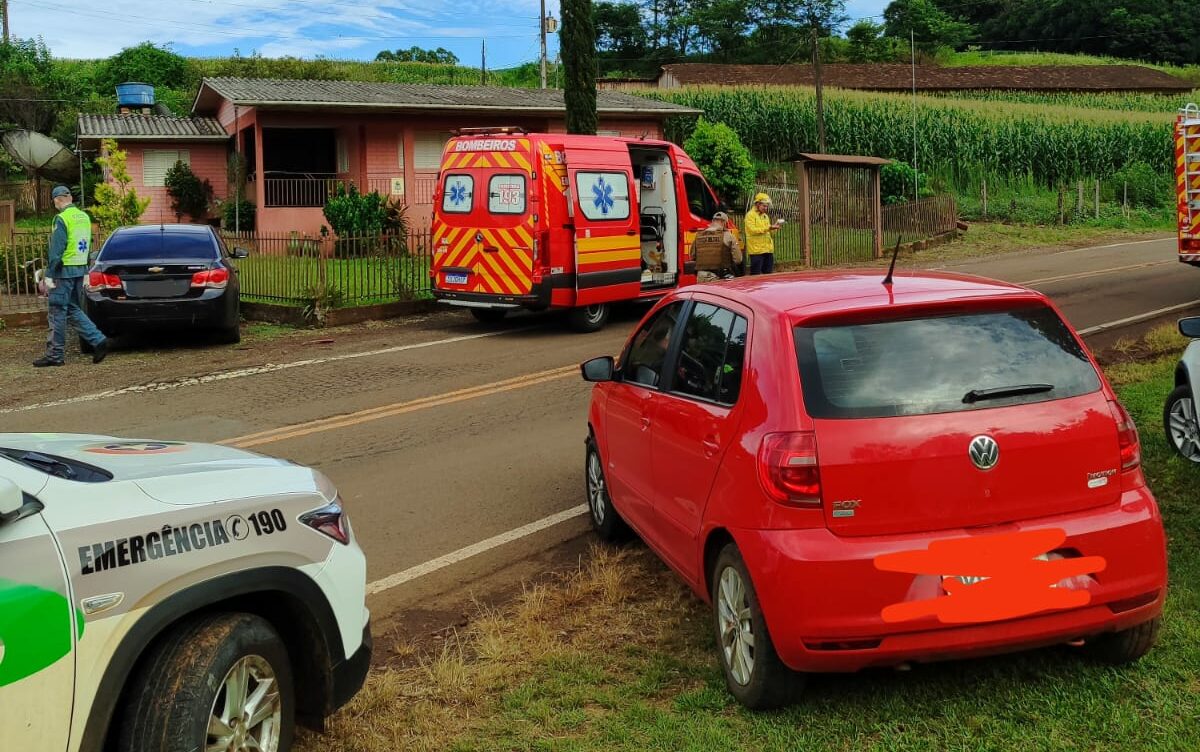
(97,281)
(214,279)
(788,468)
(330,521)
(1127,436)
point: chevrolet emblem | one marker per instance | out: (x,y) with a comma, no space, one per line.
(155,269)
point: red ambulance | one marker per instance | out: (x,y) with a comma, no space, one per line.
(554,221)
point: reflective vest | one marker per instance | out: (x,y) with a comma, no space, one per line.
(79,236)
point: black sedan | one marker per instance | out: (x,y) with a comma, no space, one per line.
(168,277)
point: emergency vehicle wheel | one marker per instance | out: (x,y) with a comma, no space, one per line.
(489,315)
(221,681)
(589,318)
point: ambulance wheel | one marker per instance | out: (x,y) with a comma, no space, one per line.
(589,318)
(489,315)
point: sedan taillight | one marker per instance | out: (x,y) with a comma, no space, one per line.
(788,468)
(330,521)
(97,281)
(213,279)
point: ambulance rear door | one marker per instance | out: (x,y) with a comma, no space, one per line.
(608,252)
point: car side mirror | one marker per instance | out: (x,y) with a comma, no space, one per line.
(598,369)
(13,506)
(1190,327)
(240,253)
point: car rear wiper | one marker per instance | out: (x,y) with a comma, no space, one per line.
(979,395)
(41,462)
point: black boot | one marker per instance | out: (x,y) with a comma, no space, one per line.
(100,351)
(44,361)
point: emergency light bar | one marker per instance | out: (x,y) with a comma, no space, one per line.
(485,131)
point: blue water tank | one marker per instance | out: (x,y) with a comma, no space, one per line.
(134,94)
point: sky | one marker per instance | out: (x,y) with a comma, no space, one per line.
(302,28)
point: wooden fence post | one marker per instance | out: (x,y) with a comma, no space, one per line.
(1062,211)
(805,213)
(1079,204)
(1097,199)
(877,212)
(985,207)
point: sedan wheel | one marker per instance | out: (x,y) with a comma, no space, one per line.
(1182,424)
(597,492)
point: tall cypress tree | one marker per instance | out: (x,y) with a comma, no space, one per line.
(578,40)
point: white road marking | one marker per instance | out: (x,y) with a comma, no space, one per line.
(1094,273)
(483,546)
(1135,319)
(163,386)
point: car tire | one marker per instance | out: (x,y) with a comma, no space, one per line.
(1125,646)
(230,336)
(184,684)
(587,319)
(1182,424)
(753,672)
(606,520)
(489,315)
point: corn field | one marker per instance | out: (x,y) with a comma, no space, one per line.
(955,138)
(1123,102)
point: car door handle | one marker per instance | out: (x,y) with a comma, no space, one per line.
(631,232)
(645,423)
(710,446)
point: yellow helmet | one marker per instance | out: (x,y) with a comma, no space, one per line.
(762,198)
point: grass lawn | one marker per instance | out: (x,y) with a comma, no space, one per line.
(363,281)
(618,656)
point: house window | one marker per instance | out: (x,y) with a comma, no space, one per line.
(614,134)
(343,156)
(156,162)
(427,149)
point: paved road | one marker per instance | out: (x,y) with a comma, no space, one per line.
(454,445)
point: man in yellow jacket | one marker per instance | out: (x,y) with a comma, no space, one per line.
(760,245)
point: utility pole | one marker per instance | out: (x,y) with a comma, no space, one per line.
(542,24)
(4,12)
(820,91)
(483,62)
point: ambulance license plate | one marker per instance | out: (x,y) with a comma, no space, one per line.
(456,279)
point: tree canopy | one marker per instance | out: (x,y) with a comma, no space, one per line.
(414,54)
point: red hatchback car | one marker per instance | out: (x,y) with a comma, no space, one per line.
(857,474)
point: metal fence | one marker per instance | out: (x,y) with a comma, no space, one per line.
(282,268)
(841,224)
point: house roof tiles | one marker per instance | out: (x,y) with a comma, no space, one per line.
(288,93)
(899,77)
(151,128)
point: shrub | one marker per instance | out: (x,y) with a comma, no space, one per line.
(1147,188)
(352,214)
(189,195)
(238,214)
(724,161)
(898,180)
(117,203)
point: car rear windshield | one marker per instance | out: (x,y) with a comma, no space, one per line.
(158,246)
(939,364)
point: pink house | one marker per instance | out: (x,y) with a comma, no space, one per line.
(300,139)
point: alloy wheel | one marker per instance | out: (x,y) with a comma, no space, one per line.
(594,313)
(247,713)
(737,629)
(595,480)
(1184,428)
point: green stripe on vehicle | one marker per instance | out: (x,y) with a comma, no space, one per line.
(33,633)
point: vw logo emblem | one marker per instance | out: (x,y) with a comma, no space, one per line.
(984,452)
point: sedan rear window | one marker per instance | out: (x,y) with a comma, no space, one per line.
(158,246)
(941,364)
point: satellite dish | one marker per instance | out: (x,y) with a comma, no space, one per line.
(41,156)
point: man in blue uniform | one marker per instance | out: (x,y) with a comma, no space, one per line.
(70,246)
